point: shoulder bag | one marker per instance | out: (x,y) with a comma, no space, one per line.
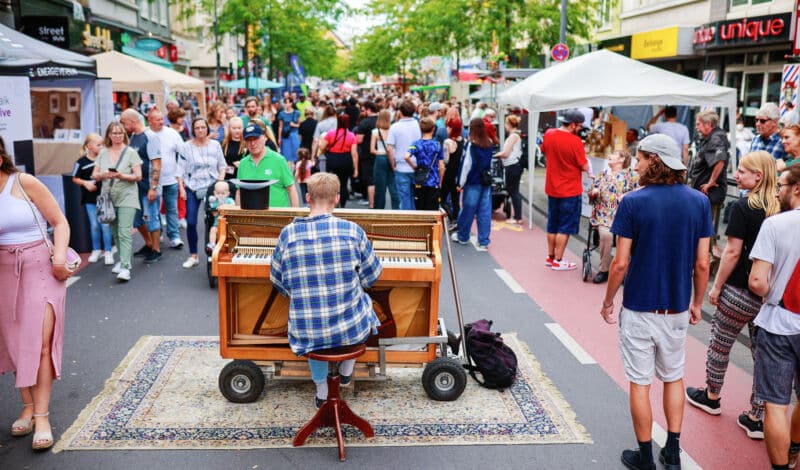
(421,174)
(104,205)
(73,259)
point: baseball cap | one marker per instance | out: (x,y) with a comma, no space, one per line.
(435,106)
(572,116)
(253,130)
(665,147)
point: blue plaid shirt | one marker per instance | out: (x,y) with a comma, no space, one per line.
(323,264)
(772,145)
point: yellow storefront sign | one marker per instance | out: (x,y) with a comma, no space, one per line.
(654,44)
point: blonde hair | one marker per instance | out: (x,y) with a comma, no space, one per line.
(384,119)
(111,126)
(226,141)
(222,185)
(762,196)
(513,121)
(323,187)
(90,137)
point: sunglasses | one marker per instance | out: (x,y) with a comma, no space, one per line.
(762,121)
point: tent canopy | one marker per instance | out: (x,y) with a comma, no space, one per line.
(21,54)
(256,83)
(129,74)
(604,78)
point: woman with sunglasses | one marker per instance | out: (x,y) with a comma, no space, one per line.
(201,163)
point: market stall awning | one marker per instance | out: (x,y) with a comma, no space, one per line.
(146,56)
(255,83)
(21,54)
(429,87)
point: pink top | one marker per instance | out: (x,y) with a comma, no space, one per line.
(17,224)
(342,141)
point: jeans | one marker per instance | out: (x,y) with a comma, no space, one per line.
(513,175)
(405,190)
(170,195)
(383,177)
(476,201)
(96,229)
(192,207)
(121,228)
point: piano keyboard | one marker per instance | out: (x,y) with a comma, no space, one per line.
(404,260)
(252,258)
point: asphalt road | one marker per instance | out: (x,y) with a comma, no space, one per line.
(105,319)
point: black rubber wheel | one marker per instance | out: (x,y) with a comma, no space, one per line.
(241,381)
(212,281)
(587,265)
(444,379)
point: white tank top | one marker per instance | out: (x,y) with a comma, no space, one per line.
(17,224)
(516,152)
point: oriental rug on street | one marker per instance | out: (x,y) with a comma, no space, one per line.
(164,395)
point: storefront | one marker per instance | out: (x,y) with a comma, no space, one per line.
(748,54)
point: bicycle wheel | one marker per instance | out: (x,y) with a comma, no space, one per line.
(587,265)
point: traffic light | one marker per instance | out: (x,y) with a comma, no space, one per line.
(253,42)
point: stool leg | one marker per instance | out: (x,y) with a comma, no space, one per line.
(337,426)
(348,417)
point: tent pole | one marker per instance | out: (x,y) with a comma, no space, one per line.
(533,150)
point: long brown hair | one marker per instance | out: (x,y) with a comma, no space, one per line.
(477,133)
(6,163)
(111,126)
(659,173)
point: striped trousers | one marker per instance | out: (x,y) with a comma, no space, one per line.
(735,309)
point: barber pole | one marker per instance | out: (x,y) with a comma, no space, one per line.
(709,76)
(791,72)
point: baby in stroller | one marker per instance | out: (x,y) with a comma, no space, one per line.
(222,195)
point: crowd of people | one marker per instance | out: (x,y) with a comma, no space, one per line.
(157,170)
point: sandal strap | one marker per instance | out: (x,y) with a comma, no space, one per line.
(41,415)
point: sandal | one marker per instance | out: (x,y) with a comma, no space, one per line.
(22,427)
(42,439)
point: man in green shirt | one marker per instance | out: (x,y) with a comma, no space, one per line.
(263,164)
(301,106)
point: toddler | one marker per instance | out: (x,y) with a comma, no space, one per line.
(222,195)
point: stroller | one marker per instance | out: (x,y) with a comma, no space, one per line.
(210,210)
(500,193)
(592,243)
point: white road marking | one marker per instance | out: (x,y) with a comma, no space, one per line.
(72,280)
(569,342)
(510,281)
(660,437)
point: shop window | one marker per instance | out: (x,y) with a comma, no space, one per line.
(164,13)
(773,87)
(753,91)
(604,13)
(144,8)
(738,3)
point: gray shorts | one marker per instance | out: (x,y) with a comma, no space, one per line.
(653,343)
(777,364)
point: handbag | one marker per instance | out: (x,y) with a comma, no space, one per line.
(104,205)
(486,177)
(421,174)
(73,259)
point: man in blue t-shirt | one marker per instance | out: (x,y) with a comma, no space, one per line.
(663,233)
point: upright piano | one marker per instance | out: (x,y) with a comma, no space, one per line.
(253,316)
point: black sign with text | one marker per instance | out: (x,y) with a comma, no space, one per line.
(50,29)
(744,32)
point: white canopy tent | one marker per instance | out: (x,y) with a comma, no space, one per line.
(604,78)
(129,74)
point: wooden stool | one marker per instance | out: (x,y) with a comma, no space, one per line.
(334,411)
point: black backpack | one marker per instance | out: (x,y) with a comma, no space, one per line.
(495,361)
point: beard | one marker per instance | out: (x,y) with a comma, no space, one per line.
(786,203)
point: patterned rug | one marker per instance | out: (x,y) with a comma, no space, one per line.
(164,395)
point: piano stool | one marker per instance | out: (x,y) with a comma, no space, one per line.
(334,411)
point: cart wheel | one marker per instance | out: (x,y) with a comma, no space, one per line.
(587,265)
(241,381)
(212,281)
(444,379)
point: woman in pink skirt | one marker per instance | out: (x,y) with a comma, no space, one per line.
(33,289)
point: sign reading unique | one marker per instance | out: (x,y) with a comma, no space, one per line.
(744,31)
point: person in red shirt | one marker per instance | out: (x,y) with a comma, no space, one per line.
(566,159)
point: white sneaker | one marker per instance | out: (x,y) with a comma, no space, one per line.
(124,275)
(163,220)
(182,223)
(563,265)
(482,248)
(94,256)
(454,237)
(191,262)
(109,258)
(113,249)
(117,268)
(176,243)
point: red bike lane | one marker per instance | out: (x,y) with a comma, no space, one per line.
(714,442)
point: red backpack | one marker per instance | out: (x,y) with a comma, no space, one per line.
(791,295)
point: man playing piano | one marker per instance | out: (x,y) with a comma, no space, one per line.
(323,264)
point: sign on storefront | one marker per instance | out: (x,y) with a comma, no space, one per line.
(744,32)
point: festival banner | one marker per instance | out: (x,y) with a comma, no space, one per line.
(16,125)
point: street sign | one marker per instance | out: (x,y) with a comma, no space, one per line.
(560,52)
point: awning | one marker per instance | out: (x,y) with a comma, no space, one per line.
(21,54)
(144,55)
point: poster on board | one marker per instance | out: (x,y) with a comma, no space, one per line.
(15,112)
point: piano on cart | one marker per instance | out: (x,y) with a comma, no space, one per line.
(253,316)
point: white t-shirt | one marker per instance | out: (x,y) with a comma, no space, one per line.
(171,143)
(676,130)
(777,244)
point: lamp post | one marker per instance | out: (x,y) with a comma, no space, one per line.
(216,50)
(562,35)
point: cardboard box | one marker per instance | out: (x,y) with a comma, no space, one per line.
(614,134)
